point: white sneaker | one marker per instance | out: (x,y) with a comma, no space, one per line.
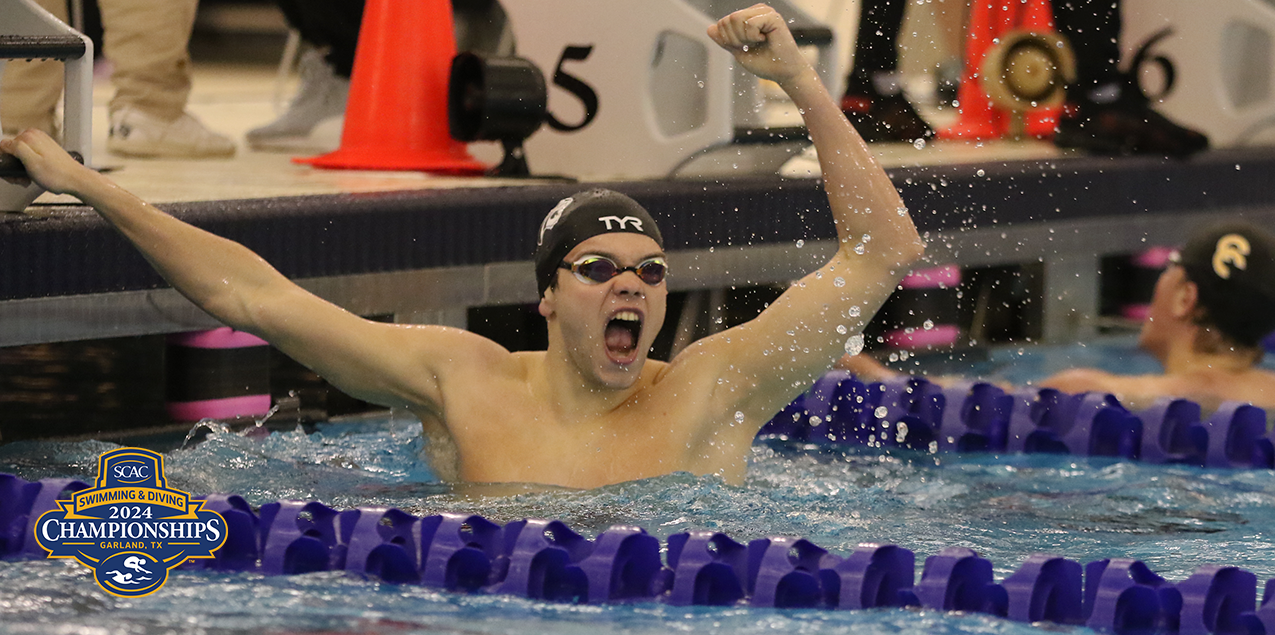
(137,134)
(319,100)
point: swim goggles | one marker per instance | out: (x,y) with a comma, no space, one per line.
(599,269)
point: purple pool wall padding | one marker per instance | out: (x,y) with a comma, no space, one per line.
(547,560)
(915,413)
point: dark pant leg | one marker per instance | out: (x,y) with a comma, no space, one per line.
(331,23)
(876,45)
(1093,28)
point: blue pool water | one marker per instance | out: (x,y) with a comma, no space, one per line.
(1004,506)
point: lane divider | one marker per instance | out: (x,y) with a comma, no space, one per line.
(547,560)
(915,413)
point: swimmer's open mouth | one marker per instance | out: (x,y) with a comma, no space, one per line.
(622,334)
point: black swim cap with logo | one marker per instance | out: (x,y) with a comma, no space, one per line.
(582,216)
(1233,266)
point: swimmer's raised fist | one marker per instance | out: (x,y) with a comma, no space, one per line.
(46,162)
(759,38)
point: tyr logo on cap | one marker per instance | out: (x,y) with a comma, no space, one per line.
(622,222)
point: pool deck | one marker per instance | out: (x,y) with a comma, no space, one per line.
(360,238)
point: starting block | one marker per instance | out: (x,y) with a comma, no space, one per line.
(30,32)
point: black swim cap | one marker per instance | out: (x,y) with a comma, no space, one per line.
(582,216)
(1233,266)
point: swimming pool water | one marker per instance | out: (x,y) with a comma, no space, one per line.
(1004,506)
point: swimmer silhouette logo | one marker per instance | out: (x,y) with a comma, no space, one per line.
(130,528)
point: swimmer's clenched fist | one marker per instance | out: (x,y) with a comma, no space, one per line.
(759,38)
(591,409)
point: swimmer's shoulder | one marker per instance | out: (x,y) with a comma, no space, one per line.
(524,363)
(457,348)
(1264,377)
(1256,387)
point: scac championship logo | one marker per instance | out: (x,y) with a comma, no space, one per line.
(130,528)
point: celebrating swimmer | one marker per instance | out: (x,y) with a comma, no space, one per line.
(591,409)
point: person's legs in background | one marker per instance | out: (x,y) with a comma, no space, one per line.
(147,40)
(332,28)
(31,89)
(874,100)
(1106,112)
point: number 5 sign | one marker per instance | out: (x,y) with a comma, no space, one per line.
(634,87)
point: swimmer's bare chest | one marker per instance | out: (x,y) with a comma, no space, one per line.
(504,435)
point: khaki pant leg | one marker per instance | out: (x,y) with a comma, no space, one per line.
(29,91)
(147,40)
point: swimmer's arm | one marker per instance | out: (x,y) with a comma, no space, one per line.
(1131,390)
(867,368)
(1135,392)
(386,364)
(795,340)
(863,200)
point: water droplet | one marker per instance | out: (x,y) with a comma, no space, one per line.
(745,48)
(980,172)
(894,357)
(928,324)
(853,311)
(700,84)
(739,416)
(880,412)
(919,144)
(859,249)
(841,329)
(838,281)
(814,421)
(800,244)
(854,344)
(867,238)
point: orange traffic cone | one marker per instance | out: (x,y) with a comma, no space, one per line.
(989,20)
(396,116)
(1038,15)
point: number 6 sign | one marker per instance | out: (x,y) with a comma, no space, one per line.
(1210,65)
